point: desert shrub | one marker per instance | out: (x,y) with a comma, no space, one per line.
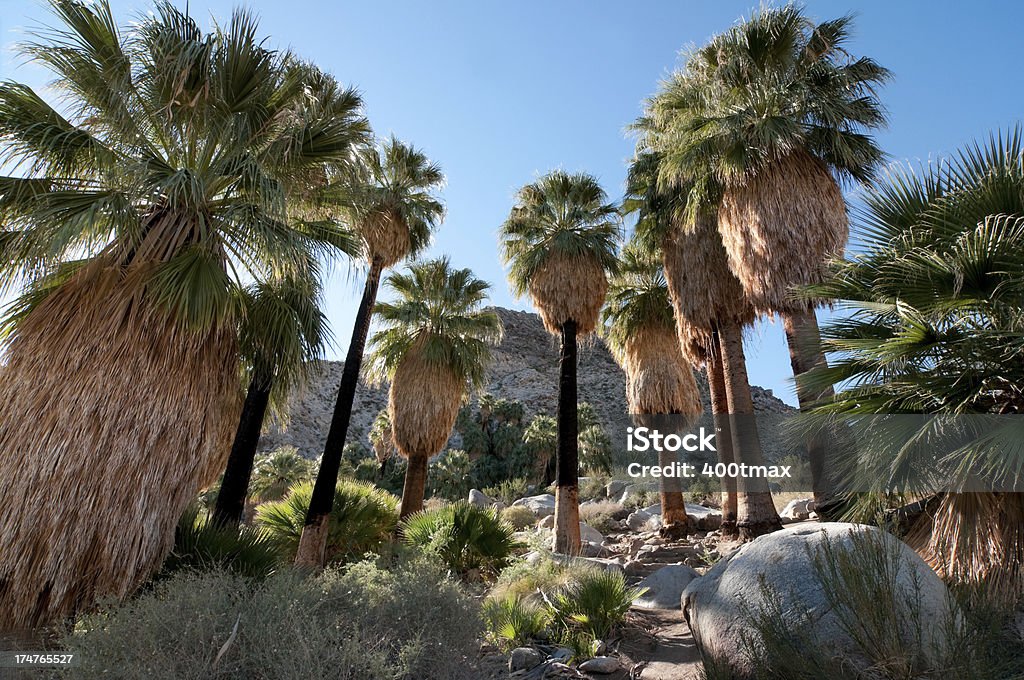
(594,602)
(362,519)
(465,537)
(199,543)
(885,623)
(602,515)
(509,491)
(513,622)
(704,491)
(593,487)
(641,498)
(519,517)
(362,622)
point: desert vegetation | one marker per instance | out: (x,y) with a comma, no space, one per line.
(168,229)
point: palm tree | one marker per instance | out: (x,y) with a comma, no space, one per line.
(775,111)
(560,244)
(660,388)
(434,342)
(711,311)
(541,437)
(382,439)
(395,212)
(282,332)
(277,471)
(934,328)
(167,180)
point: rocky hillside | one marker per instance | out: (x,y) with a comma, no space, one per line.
(525,369)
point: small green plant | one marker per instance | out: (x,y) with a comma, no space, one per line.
(362,519)
(509,491)
(466,538)
(200,543)
(519,517)
(514,622)
(595,602)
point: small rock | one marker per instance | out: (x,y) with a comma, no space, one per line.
(638,520)
(600,664)
(524,659)
(615,488)
(665,587)
(797,509)
(561,654)
(590,535)
(547,522)
(634,568)
(541,506)
(480,499)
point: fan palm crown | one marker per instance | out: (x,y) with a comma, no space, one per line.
(559,242)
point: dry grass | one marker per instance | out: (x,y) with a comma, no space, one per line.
(780,227)
(424,402)
(112,417)
(601,515)
(386,237)
(569,288)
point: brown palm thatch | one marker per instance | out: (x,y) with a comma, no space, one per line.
(424,402)
(976,538)
(703,290)
(101,467)
(659,379)
(386,237)
(780,227)
(569,287)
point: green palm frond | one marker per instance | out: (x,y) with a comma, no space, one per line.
(559,214)
(440,312)
(190,153)
(638,297)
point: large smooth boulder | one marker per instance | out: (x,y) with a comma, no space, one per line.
(541,506)
(718,605)
(665,587)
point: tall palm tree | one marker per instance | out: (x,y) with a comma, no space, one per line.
(711,311)
(434,342)
(395,212)
(282,332)
(660,388)
(560,244)
(935,301)
(541,438)
(165,182)
(776,112)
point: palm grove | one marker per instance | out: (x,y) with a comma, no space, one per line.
(168,226)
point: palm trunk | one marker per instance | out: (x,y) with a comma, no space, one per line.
(756,513)
(235,485)
(313,543)
(567,509)
(415,486)
(675,523)
(804,340)
(723,436)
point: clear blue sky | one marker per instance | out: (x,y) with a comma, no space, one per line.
(500,92)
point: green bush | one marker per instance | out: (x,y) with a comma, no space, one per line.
(594,602)
(199,543)
(519,517)
(508,491)
(362,519)
(277,471)
(467,538)
(362,622)
(513,622)
(603,515)
(593,487)
(449,475)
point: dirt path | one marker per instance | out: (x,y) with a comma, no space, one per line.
(667,652)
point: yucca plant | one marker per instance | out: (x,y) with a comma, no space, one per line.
(173,172)
(468,539)
(363,518)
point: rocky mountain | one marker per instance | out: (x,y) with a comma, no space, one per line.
(525,369)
